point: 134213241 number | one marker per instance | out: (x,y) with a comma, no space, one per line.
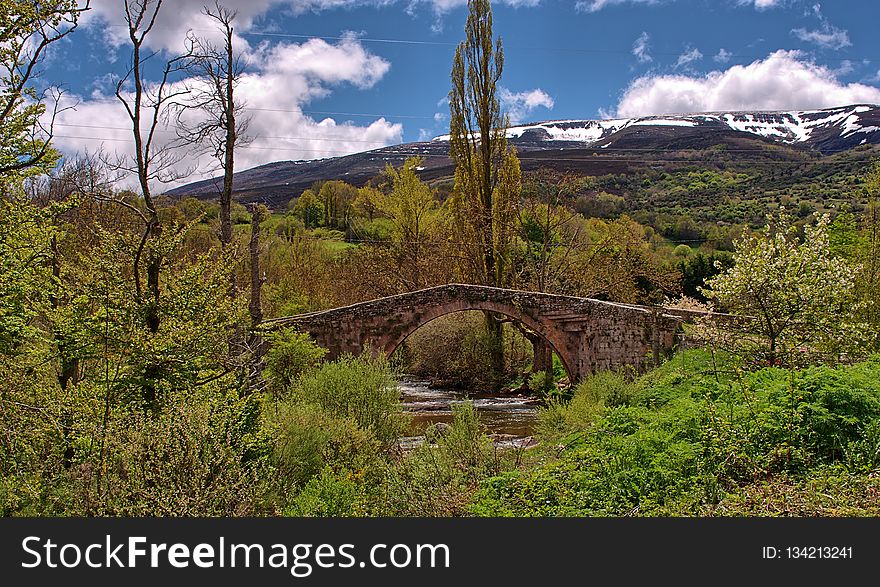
(808,552)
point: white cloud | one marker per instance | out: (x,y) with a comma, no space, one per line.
(688,57)
(723,56)
(176,17)
(282,80)
(762,4)
(827,37)
(846,67)
(597,5)
(640,48)
(782,81)
(520,105)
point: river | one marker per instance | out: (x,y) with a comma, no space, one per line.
(509,419)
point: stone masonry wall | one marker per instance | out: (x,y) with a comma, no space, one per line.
(588,335)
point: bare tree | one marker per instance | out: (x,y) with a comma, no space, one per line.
(147,108)
(219,126)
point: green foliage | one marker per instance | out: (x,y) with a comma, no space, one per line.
(290,355)
(686,439)
(794,295)
(360,388)
(588,402)
(311,440)
(601,205)
(25,277)
(439,477)
(197,457)
(331,494)
(682,251)
(27,29)
(698,267)
(308,209)
(455,349)
(541,382)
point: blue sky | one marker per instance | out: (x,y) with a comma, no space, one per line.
(329,77)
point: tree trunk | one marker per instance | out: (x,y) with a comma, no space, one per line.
(543,356)
(495,337)
(68,373)
(256,307)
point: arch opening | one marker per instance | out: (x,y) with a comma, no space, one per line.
(552,340)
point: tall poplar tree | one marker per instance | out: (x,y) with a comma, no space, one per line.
(487,173)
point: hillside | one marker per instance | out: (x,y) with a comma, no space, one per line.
(725,140)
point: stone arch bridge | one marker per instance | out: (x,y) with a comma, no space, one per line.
(588,335)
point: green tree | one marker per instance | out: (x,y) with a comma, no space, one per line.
(868,251)
(308,209)
(797,300)
(27,29)
(337,198)
(487,170)
(410,205)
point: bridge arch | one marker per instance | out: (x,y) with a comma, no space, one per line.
(553,337)
(587,335)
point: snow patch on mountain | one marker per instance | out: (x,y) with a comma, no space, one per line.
(791,127)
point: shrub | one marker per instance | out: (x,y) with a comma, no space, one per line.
(439,477)
(360,388)
(682,250)
(290,354)
(541,383)
(686,438)
(590,398)
(311,440)
(330,494)
(200,456)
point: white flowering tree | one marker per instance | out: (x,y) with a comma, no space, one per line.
(797,300)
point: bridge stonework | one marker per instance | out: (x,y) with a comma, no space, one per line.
(588,335)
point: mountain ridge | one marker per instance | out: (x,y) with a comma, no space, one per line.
(591,147)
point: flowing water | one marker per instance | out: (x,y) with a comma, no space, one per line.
(509,418)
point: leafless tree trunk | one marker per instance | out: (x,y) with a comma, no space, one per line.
(151,162)
(256,307)
(147,107)
(219,126)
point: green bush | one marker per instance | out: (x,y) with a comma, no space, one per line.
(290,354)
(362,389)
(687,438)
(540,382)
(330,494)
(590,398)
(439,477)
(203,455)
(311,440)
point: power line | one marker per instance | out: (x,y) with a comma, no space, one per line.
(324,112)
(421,42)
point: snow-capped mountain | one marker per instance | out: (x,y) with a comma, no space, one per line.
(828,130)
(590,147)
